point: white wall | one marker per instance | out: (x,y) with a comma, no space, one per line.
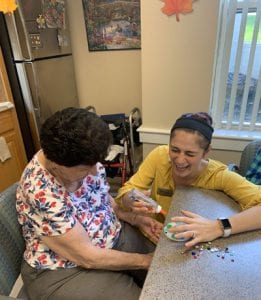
(177,61)
(171,75)
(177,68)
(109,80)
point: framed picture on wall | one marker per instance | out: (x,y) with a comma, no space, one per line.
(112,24)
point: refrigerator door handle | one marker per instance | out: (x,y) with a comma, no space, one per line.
(31,72)
(33,112)
(18,36)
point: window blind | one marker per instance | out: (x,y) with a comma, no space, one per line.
(237,79)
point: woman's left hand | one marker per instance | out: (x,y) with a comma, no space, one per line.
(196,228)
(149,226)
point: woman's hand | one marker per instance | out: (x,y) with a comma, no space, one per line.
(137,206)
(196,228)
(149,226)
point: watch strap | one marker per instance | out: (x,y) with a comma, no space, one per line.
(226,226)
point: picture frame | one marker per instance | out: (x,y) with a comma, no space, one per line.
(112,24)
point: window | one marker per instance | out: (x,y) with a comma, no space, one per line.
(236,94)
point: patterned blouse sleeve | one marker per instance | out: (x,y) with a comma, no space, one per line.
(52,212)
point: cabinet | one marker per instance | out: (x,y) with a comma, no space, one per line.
(12,168)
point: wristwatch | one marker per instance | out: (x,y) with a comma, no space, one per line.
(226,227)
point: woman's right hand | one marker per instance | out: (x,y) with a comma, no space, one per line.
(138,206)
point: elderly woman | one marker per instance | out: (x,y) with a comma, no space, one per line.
(76,245)
(184,163)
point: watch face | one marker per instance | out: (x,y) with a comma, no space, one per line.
(226,224)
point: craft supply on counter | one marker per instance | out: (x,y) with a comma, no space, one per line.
(171,235)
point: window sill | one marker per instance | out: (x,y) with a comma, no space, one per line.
(222,139)
(233,140)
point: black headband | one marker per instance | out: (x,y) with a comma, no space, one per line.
(194,124)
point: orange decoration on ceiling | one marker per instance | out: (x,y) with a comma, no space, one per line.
(7,6)
(177,7)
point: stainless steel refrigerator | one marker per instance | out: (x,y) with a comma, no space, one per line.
(40,42)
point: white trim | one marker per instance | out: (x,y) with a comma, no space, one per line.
(252,4)
(232,140)
(17,287)
(153,135)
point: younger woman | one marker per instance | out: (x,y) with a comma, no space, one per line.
(184,163)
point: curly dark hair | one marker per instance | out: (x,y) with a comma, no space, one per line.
(74,136)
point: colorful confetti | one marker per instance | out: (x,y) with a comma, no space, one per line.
(221,252)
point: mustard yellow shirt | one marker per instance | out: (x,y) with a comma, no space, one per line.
(155,173)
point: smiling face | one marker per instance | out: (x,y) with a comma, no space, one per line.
(186,155)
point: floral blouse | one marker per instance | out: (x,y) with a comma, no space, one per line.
(45,208)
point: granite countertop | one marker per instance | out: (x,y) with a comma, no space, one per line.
(227,268)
